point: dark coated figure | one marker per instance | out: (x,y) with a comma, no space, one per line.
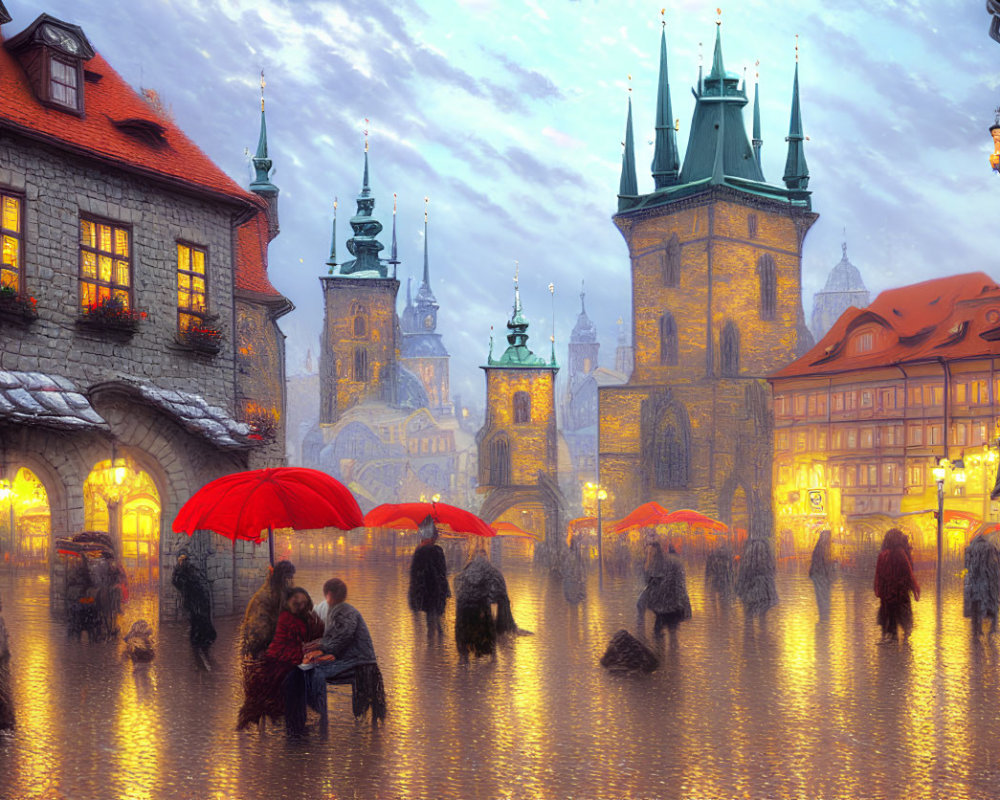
(261,617)
(894,582)
(720,572)
(755,578)
(6,696)
(982,583)
(196,595)
(821,572)
(478,587)
(429,589)
(574,584)
(665,593)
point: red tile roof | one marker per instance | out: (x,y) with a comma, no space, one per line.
(177,160)
(946,318)
(251,257)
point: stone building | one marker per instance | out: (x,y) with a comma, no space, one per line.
(139,344)
(844,288)
(862,418)
(378,430)
(518,444)
(715,254)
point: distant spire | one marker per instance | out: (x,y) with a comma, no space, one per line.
(393,252)
(409,296)
(261,163)
(796,171)
(331,262)
(552,338)
(427,269)
(629,185)
(757,141)
(666,157)
(583,296)
(718,68)
(364,244)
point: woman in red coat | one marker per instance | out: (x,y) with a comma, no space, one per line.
(894,580)
(265,685)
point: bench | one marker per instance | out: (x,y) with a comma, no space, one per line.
(350,678)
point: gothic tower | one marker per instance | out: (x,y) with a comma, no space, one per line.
(358,357)
(715,255)
(422,352)
(518,462)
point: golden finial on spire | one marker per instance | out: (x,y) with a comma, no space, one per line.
(263,83)
(718,21)
(677,124)
(366,133)
(630,83)
(756,70)
(334,207)
(796,48)
(517,270)
(663,17)
(394,204)
(427,200)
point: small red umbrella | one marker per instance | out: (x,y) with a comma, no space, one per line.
(399,515)
(645,516)
(245,504)
(695,519)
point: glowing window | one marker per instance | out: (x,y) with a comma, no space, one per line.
(105,263)
(867,437)
(192,291)
(11,270)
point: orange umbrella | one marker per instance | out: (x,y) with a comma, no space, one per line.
(645,516)
(510,529)
(695,519)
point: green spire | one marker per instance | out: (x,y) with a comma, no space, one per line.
(261,183)
(666,158)
(517,353)
(719,162)
(364,245)
(629,185)
(718,68)
(331,262)
(796,170)
(757,141)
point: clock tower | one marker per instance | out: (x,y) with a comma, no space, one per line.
(422,351)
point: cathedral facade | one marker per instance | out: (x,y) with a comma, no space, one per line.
(715,254)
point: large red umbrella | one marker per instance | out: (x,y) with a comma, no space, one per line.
(245,504)
(647,515)
(403,515)
(695,519)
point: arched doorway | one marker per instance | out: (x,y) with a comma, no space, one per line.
(25,520)
(122,499)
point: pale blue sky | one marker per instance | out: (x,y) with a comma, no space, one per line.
(510,115)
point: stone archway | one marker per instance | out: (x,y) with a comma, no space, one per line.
(545,494)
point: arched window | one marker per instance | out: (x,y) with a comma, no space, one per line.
(672,262)
(751,226)
(670,453)
(522,408)
(359,321)
(767,276)
(361,365)
(499,462)
(729,350)
(668,339)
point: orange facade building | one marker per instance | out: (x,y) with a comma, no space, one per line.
(864,416)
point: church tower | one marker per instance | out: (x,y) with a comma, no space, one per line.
(715,254)
(358,357)
(422,352)
(518,445)
(844,288)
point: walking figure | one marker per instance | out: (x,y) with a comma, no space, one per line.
(6,697)
(755,579)
(478,587)
(196,593)
(665,593)
(720,572)
(982,583)
(821,568)
(429,589)
(894,581)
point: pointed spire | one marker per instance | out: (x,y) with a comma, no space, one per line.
(757,141)
(583,297)
(409,295)
(666,157)
(364,244)
(393,252)
(427,269)
(719,164)
(718,68)
(331,262)
(552,338)
(629,184)
(796,171)
(261,183)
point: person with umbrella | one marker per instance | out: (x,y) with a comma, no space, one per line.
(478,587)
(429,589)
(665,593)
(982,583)
(196,594)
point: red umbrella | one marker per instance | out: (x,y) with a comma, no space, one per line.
(645,516)
(399,515)
(245,504)
(695,519)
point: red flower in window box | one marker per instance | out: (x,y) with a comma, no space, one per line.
(263,423)
(112,313)
(17,307)
(204,336)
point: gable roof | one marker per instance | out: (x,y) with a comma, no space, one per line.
(945,318)
(252,238)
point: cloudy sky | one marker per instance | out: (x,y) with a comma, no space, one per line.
(509,114)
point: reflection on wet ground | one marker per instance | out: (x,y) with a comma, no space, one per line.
(798,709)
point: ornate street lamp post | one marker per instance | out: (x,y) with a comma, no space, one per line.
(596,491)
(940,472)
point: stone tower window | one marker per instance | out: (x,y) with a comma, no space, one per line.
(360,323)
(767,276)
(522,408)
(670,453)
(361,365)
(672,262)
(729,350)
(751,226)
(499,462)
(668,339)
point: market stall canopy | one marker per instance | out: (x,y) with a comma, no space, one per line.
(400,515)
(645,516)
(694,519)
(510,529)
(245,504)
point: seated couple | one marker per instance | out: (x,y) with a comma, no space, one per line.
(278,687)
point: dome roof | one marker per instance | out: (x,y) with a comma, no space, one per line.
(845,277)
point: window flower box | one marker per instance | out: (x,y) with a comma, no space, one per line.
(112,315)
(17,308)
(202,337)
(263,423)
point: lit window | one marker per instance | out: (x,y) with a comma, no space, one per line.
(192,298)
(916,435)
(867,437)
(63,87)
(838,401)
(105,264)
(11,275)
(961,392)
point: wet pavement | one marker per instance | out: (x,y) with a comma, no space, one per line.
(799,709)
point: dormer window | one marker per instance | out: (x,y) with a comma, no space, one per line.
(63,83)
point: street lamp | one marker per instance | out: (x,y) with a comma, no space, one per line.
(940,473)
(598,492)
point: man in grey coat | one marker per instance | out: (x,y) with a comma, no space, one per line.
(346,636)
